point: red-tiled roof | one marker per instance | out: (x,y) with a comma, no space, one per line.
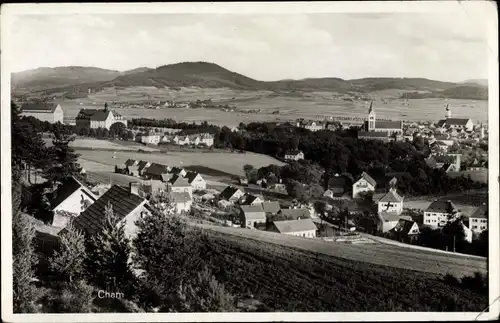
(179,181)
(228,192)
(295,225)
(391,196)
(294,214)
(480,213)
(39,107)
(253,211)
(156,169)
(123,202)
(66,188)
(441,206)
(272,207)
(373,134)
(389,124)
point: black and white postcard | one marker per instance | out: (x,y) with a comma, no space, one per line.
(305,161)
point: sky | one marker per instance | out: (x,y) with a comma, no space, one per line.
(440,46)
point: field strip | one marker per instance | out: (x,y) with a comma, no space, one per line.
(379,253)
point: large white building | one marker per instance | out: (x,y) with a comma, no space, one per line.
(50,112)
(439,213)
(98,118)
(478,221)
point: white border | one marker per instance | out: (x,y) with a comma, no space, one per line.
(486,9)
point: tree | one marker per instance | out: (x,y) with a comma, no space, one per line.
(23,255)
(64,160)
(203,294)
(167,252)
(68,261)
(130,135)
(118,129)
(109,253)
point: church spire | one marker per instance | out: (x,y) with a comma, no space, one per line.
(370,110)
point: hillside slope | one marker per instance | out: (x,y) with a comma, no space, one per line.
(289,279)
(48,77)
(468,92)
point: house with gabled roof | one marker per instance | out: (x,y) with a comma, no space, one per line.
(154,171)
(250,199)
(50,112)
(69,200)
(478,220)
(194,140)
(300,228)
(439,213)
(182,201)
(364,183)
(180,184)
(183,140)
(387,221)
(98,118)
(231,194)
(456,123)
(178,171)
(127,206)
(196,181)
(406,229)
(391,202)
(142,165)
(251,216)
(295,213)
(271,207)
(131,162)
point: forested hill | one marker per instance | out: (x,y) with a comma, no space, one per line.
(470,92)
(77,81)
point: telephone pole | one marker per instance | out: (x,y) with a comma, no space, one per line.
(453,243)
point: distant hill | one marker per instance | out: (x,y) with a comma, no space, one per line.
(72,82)
(466,92)
(51,77)
(482,82)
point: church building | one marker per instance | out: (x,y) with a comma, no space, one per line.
(380,129)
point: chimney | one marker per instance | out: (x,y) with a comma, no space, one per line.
(134,188)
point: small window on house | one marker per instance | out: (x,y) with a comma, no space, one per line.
(474,227)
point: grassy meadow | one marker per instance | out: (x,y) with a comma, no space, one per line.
(291,105)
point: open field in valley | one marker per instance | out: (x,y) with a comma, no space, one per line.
(90,143)
(478,176)
(291,105)
(229,163)
(467,202)
(298,274)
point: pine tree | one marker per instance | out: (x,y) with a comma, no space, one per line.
(64,160)
(109,254)
(68,261)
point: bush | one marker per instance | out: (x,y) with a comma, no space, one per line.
(69,298)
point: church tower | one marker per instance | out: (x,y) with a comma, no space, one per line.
(372,117)
(448,111)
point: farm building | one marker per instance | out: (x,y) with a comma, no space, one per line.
(155,171)
(300,228)
(98,118)
(127,205)
(150,138)
(50,112)
(69,200)
(251,216)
